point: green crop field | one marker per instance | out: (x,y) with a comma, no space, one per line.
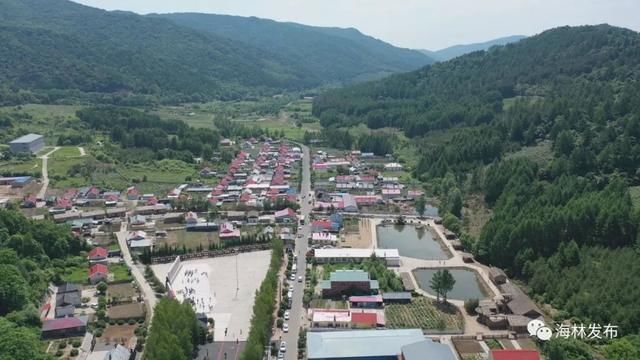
(425,314)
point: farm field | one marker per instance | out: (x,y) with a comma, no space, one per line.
(425,314)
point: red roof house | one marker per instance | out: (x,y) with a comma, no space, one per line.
(505,354)
(133,193)
(97,273)
(286,215)
(98,254)
(364,319)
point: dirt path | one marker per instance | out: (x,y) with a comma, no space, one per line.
(82,152)
(45,173)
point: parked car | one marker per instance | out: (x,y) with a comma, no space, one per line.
(286,315)
(283,346)
(280,355)
(285,327)
(299,279)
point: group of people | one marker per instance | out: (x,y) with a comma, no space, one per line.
(189,293)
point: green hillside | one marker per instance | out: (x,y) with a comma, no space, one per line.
(459,50)
(330,54)
(568,212)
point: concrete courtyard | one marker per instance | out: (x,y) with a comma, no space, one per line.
(230,308)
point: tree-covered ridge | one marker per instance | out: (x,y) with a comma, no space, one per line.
(54,50)
(331,54)
(590,61)
(52,47)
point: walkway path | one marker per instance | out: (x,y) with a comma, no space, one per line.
(45,173)
(82,152)
(147,291)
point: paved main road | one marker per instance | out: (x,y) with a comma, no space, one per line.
(297,311)
(147,291)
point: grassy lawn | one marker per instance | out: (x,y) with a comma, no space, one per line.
(78,274)
(425,314)
(540,153)
(120,272)
(59,166)
(113,246)
(66,152)
(30,166)
(190,239)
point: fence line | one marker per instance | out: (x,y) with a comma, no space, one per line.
(211,253)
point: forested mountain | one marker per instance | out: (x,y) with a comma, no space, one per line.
(57,49)
(459,50)
(574,91)
(332,54)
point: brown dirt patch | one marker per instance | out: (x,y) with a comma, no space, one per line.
(117,334)
(467,347)
(126,311)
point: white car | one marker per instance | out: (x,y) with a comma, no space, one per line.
(292,277)
(290,294)
(283,346)
(286,315)
(299,279)
(285,327)
(280,355)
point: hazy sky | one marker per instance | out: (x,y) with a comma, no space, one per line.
(426,24)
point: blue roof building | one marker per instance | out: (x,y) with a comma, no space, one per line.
(361,344)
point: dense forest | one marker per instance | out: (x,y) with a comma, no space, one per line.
(32,254)
(54,51)
(333,54)
(547,130)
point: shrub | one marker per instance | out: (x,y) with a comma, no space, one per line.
(74,352)
(59,353)
(141,321)
(62,345)
(120,321)
(76,343)
(471,305)
(280,322)
(131,321)
(112,322)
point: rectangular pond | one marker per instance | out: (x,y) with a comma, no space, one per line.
(467,284)
(412,242)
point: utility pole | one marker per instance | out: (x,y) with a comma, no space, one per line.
(237,279)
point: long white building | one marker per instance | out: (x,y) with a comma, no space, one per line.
(391,256)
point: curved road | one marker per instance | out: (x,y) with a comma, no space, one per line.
(147,291)
(45,173)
